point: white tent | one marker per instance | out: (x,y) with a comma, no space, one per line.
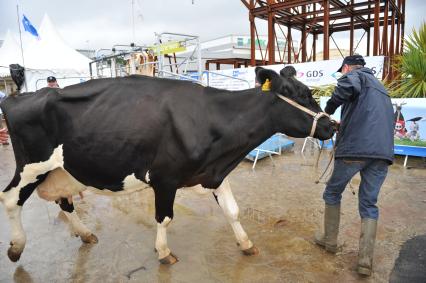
(51,56)
(9,54)
(51,52)
(47,56)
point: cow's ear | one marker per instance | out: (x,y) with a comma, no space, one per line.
(270,77)
(288,72)
(263,74)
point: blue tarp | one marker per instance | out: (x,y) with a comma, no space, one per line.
(274,144)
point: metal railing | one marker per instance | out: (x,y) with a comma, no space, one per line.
(189,41)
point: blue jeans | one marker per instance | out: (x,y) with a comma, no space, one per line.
(373,173)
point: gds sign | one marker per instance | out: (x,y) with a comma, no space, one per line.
(315,74)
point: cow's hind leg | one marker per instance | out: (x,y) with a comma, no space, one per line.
(77,227)
(13,198)
(229,206)
(164,200)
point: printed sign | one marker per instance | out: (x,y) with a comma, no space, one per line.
(170,47)
(410,121)
(312,74)
(232,79)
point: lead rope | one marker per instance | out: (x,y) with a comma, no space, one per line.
(316,116)
(323,178)
(320,178)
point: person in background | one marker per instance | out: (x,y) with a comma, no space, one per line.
(4,137)
(364,144)
(51,82)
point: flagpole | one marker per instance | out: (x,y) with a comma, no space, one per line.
(133,21)
(22,49)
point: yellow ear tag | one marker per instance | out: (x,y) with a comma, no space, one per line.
(266,85)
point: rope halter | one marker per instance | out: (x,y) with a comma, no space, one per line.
(316,116)
(266,86)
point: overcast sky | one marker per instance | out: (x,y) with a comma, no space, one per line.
(101,24)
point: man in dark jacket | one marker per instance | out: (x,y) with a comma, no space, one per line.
(364,144)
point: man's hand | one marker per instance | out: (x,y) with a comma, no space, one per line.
(336,126)
(4,136)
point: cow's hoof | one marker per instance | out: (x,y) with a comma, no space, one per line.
(251,251)
(13,255)
(169,260)
(89,239)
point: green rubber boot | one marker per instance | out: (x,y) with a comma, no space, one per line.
(328,240)
(366,246)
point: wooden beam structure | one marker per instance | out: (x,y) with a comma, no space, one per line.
(381,20)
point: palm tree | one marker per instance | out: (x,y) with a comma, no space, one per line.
(324,90)
(411,66)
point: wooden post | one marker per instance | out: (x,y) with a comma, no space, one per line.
(351,32)
(314,47)
(289,43)
(385,50)
(392,36)
(368,31)
(326,47)
(252,40)
(398,29)
(376,28)
(271,36)
(304,37)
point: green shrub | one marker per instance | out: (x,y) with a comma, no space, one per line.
(411,66)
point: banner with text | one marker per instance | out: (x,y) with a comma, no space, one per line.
(313,74)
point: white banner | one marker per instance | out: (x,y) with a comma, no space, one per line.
(310,73)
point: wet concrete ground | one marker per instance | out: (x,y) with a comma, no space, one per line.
(280,208)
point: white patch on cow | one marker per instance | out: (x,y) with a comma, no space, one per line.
(230,208)
(161,241)
(147,179)
(132,183)
(31,171)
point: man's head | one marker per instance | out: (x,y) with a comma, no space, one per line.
(51,82)
(350,63)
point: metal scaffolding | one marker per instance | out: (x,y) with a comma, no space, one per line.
(381,20)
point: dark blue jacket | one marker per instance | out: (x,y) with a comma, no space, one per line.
(367,119)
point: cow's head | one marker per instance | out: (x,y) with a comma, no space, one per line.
(292,120)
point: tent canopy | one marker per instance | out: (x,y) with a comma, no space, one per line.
(49,55)
(52,53)
(9,54)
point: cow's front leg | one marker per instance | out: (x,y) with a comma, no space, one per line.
(229,206)
(77,227)
(164,200)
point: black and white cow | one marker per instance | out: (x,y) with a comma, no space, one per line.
(126,133)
